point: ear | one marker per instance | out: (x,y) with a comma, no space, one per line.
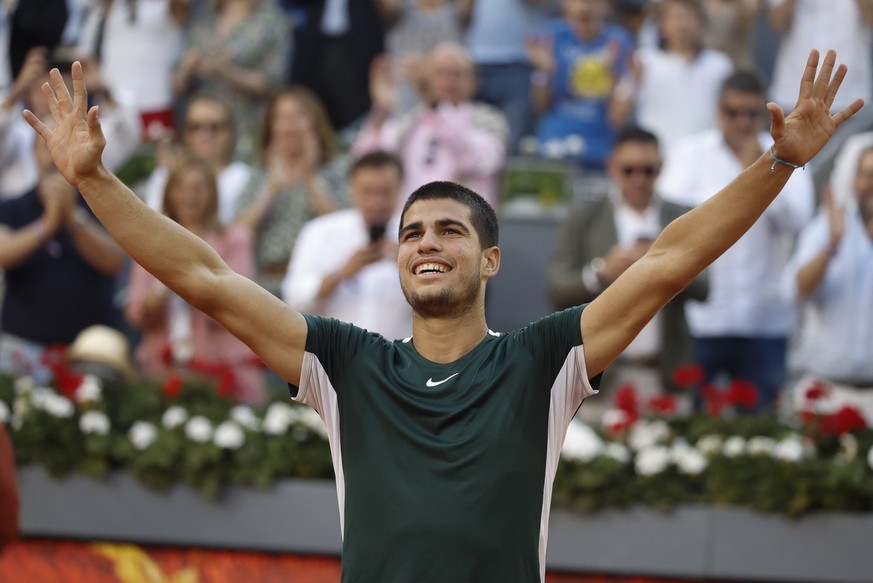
(490,262)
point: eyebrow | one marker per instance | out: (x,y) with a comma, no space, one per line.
(418,225)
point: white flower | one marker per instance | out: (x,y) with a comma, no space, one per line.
(709,445)
(789,449)
(648,433)
(142,434)
(23,385)
(617,451)
(278,418)
(40,397)
(94,422)
(848,447)
(687,459)
(761,445)
(613,418)
(245,416)
(59,406)
(5,413)
(198,429)
(734,446)
(574,144)
(229,435)
(652,460)
(89,390)
(174,417)
(581,444)
(554,149)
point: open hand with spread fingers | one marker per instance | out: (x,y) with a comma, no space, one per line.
(802,133)
(73,135)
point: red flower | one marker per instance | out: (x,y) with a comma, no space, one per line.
(742,394)
(167,354)
(713,399)
(817,391)
(849,419)
(226,386)
(172,386)
(626,400)
(54,358)
(664,404)
(688,376)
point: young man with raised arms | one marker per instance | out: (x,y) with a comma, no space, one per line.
(445,444)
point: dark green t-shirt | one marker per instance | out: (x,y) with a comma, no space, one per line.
(444,471)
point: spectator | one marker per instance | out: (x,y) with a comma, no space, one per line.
(579,63)
(165,319)
(730,29)
(20,169)
(239,53)
(600,239)
(831,277)
(741,330)
(301,177)
(844,25)
(345,263)
(679,81)
(207,132)
(339,35)
(418,27)
(8,491)
(59,268)
(496,41)
(34,23)
(122,35)
(448,136)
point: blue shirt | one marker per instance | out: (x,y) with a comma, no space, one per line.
(586,72)
(54,294)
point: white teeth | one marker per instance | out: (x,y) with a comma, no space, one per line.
(426,267)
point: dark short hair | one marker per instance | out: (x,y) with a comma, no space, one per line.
(743,81)
(481,214)
(636,134)
(377,159)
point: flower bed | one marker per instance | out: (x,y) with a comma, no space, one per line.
(185,432)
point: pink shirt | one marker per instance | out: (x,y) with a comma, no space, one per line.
(464,144)
(210,341)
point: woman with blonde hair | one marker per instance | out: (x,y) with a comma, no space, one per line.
(174,335)
(301,177)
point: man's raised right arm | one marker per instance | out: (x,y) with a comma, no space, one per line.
(177,257)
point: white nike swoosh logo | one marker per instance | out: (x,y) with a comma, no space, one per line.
(432,383)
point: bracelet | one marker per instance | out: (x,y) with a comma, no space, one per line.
(781,161)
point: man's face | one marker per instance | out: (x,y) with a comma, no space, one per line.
(442,265)
(634,167)
(864,187)
(585,15)
(374,192)
(208,132)
(450,77)
(740,116)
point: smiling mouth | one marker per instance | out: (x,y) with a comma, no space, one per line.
(426,268)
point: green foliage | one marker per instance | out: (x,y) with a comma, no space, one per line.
(210,443)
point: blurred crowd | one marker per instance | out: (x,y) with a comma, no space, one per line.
(289,133)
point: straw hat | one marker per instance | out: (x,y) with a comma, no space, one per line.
(102,351)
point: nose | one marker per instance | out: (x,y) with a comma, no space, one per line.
(429,242)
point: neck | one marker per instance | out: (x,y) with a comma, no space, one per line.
(445,340)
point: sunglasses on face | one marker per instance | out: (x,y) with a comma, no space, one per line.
(205,126)
(735,112)
(647,171)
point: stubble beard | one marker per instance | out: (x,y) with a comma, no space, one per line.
(449,301)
